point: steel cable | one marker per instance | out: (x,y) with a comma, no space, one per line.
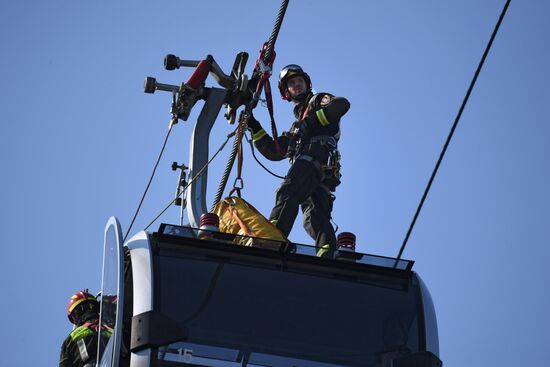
(449,137)
(149,183)
(275,33)
(229,165)
(267,57)
(199,173)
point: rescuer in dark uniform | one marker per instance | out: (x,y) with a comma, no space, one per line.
(311,147)
(80,348)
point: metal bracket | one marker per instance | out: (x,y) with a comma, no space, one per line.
(199,155)
(153,329)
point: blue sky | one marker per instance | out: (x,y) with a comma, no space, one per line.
(79,140)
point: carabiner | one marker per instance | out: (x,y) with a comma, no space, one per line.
(238,180)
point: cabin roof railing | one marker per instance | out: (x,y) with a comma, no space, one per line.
(286,248)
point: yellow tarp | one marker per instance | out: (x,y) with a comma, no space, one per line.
(241,218)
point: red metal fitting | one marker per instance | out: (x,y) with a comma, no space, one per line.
(209,219)
(346,241)
(199,75)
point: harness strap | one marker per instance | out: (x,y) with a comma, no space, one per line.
(82,350)
(323,169)
(91,324)
(306,107)
(309,158)
(322,139)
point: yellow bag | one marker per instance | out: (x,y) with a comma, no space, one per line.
(240,218)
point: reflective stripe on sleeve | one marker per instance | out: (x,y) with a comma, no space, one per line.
(322,117)
(323,250)
(258,135)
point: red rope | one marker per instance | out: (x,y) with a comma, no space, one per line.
(263,82)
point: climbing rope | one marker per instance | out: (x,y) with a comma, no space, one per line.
(449,137)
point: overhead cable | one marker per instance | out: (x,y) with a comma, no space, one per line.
(449,137)
(149,182)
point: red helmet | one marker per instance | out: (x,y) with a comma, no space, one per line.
(79,299)
(290,71)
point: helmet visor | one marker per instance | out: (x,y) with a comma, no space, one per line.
(289,71)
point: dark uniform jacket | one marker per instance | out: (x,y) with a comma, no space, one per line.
(311,146)
(80,348)
(318,116)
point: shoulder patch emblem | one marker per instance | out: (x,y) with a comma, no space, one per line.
(326,100)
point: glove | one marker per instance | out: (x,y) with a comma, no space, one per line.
(253,124)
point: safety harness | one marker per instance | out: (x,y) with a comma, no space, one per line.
(87,329)
(298,147)
(330,170)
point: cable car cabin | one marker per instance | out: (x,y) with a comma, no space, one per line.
(185,301)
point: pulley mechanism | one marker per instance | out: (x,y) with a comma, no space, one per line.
(238,90)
